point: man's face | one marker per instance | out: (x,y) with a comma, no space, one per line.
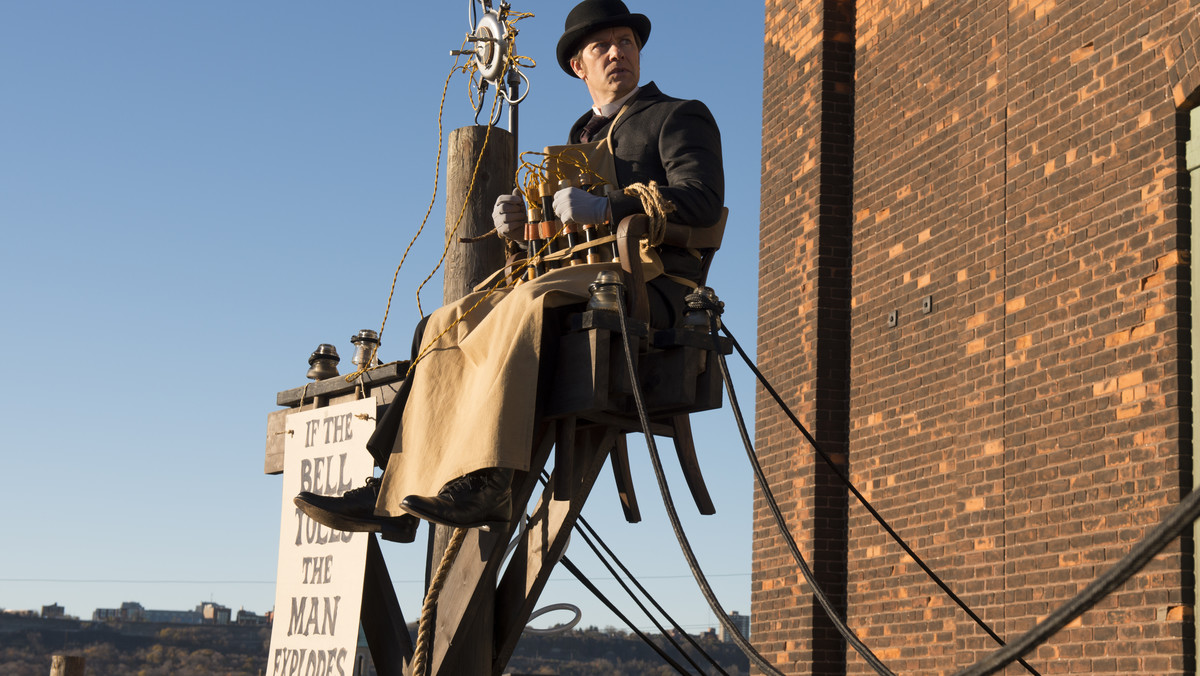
(608,64)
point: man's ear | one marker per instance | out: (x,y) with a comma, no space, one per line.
(577,68)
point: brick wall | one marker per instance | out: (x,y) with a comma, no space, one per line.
(1018,163)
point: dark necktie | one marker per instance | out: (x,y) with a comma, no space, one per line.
(593,125)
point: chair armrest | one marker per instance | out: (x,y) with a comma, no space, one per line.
(629,234)
(692,237)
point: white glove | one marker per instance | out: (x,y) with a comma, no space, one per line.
(509,215)
(573,205)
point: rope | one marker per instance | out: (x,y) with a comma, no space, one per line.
(421,655)
(437,169)
(673,515)
(656,207)
(516,274)
(462,210)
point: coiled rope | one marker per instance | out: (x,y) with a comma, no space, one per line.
(656,207)
(670,620)
(421,654)
(471,67)
(583,580)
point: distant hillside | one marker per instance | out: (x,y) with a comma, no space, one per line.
(595,653)
(140,648)
(152,649)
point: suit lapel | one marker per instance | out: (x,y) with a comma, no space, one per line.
(645,97)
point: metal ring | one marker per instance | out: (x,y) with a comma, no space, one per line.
(558,628)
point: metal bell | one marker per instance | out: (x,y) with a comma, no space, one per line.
(604,292)
(323,362)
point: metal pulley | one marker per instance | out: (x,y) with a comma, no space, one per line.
(490,52)
(489,36)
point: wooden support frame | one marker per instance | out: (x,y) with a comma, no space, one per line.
(382,620)
(545,540)
(585,422)
(484,605)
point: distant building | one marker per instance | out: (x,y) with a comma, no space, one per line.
(214,613)
(53,612)
(174,616)
(21,613)
(205,613)
(130,611)
(247,617)
(740,622)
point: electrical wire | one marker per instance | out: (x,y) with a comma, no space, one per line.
(566,562)
(588,534)
(700,302)
(878,517)
(672,514)
(670,620)
(1184,514)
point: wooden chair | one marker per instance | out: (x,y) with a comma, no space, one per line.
(584,420)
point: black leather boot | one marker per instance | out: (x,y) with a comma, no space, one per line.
(481,498)
(355,512)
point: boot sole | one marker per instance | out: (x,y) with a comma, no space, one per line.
(335,520)
(485,524)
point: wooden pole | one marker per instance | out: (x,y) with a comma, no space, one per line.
(66,665)
(467,265)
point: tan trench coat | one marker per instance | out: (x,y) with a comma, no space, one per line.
(473,396)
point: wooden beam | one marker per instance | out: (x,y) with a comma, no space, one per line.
(543,544)
(338,385)
(475,568)
(382,620)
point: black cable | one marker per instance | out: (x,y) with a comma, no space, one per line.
(656,462)
(1186,512)
(879,518)
(650,597)
(588,540)
(603,599)
(834,617)
(642,607)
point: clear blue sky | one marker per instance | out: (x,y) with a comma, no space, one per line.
(193,196)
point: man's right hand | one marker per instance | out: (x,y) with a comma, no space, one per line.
(509,215)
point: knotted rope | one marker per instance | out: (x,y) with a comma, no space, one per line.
(656,207)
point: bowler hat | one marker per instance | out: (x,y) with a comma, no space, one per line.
(593,15)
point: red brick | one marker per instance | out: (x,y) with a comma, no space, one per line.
(1016,160)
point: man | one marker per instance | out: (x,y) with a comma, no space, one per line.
(464,420)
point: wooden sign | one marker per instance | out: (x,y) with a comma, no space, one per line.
(319,583)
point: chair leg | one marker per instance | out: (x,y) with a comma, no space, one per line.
(620,465)
(685,448)
(564,458)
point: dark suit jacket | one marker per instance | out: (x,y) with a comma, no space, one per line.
(676,143)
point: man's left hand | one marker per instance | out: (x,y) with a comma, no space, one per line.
(573,205)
